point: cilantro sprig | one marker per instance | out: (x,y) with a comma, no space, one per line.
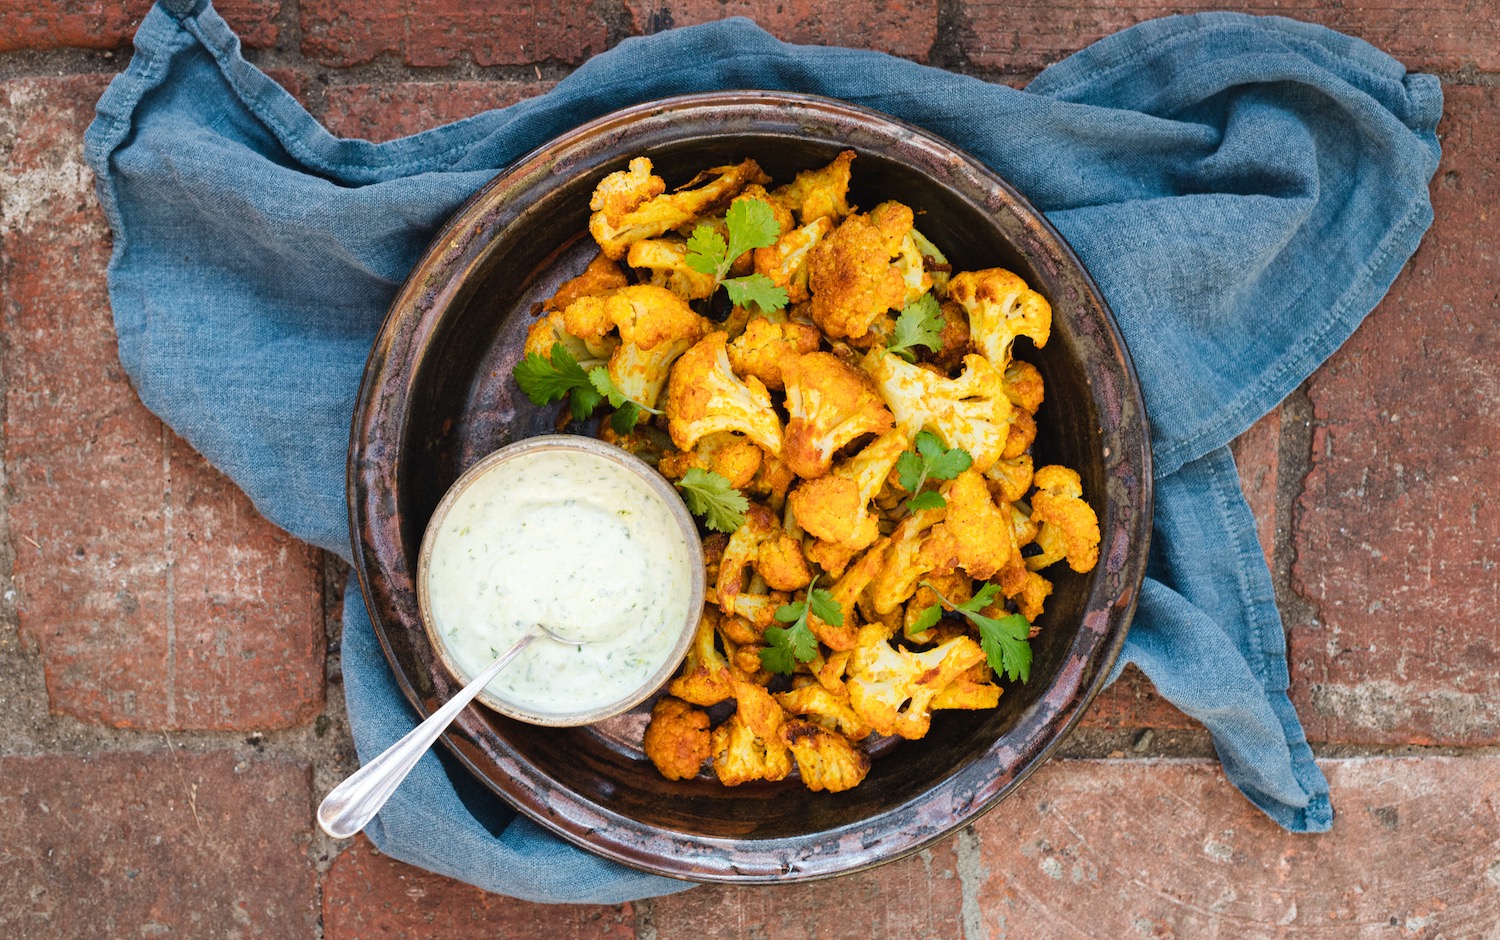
(1005,640)
(548,378)
(920,324)
(788,646)
(931,460)
(709,495)
(752,224)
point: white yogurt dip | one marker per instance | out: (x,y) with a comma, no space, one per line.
(573,541)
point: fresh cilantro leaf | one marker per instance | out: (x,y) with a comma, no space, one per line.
(752,224)
(547,378)
(707,252)
(925,621)
(930,461)
(756,289)
(931,499)
(1005,640)
(920,324)
(628,410)
(625,418)
(709,495)
(787,646)
(1005,644)
(825,608)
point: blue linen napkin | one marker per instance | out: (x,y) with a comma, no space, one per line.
(1243,189)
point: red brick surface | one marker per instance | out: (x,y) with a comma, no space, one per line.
(57,24)
(154,845)
(901,27)
(384,112)
(158,597)
(442,32)
(367,895)
(919,896)
(1397,540)
(1031,34)
(1168,849)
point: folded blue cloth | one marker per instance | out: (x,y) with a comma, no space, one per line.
(1243,189)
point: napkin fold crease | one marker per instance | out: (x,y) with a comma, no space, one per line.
(1244,190)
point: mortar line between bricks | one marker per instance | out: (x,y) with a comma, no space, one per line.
(971,875)
(170,585)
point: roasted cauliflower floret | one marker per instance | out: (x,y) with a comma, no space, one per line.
(732,456)
(820,193)
(550,330)
(974,688)
(850,273)
(825,759)
(644,441)
(1010,478)
(748,745)
(846,592)
(974,534)
(704,396)
(767,345)
(677,738)
(1068,526)
(633,204)
(836,507)
(970,411)
(704,678)
(785,263)
(903,564)
(760,542)
(826,708)
(600,277)
(665,260)
(830,403)
(656,326)
(1000,308)
(892,689)
(1023,386)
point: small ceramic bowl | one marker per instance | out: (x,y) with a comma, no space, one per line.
(634,479)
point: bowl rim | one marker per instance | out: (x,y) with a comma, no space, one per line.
(970,791)
(658,487)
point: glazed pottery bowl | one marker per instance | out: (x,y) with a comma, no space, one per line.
(438,396)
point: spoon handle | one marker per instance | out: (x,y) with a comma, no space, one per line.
(349,806)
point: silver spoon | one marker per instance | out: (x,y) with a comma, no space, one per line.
(351,805)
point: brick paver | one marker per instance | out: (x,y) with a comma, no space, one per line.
(384,112)
(919,896)
(367,894)
(156,844)
(442,32)
(1031,34)
(901,27)
(1167,849)
(158,596)
(58,24)
(1397,542)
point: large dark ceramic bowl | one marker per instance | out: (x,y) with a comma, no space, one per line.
(438,395)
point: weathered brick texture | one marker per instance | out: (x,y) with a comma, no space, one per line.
(443,32)
(158,597)
(905,28)
(109,24)
(1397,541)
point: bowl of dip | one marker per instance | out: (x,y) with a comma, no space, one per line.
(579,536)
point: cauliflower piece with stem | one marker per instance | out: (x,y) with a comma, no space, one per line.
(705,396)
(704,678)
(785,263)
(903,563)
(850,274)
(829,403)
(970,412)
(1000,307)
(600,277)
(766,345)
(665,260)
(760,542)
(892,689)
(656,326)
(677,738)
(825,707)
(820,193)
(1069,528)
(633,204)
(825,759)
(748,745)
(836,507)
(550,330)
(975,534)
(732,456)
